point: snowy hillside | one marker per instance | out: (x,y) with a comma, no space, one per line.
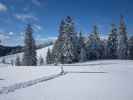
(94,80)
(40,53)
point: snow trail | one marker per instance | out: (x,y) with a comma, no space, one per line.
(12,88)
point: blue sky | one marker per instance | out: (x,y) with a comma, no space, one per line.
(45,15)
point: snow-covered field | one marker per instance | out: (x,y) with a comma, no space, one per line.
(94,80)
(11,75)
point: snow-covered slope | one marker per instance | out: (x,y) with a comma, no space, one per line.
(41,52)
(94,80)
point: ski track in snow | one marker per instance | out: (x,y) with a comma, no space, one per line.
(12,88)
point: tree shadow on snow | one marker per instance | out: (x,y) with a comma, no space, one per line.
(1,79)
(83,72)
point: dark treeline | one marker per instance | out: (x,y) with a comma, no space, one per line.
(72,46)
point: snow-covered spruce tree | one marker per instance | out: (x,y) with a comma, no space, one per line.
(122,49)
(83,55)
(70,42)
(49,57)
(57,48)
(62,58)
(93,45)
(104,50)
(56,51)
(29,57)
(81,49)
(112,43)
(68,51)
(101,49)
(130,44)
(66,44)
(18,62)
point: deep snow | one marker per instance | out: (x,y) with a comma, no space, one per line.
(114,83)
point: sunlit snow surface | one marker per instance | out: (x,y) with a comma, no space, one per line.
(82,82)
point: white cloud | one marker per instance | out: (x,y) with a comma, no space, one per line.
(25,17)
(3,7)
(11,33)
(41,40)
(4,39)
(10,39)
(2,36)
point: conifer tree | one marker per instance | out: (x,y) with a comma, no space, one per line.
(48,57)
(81,49)
(80,42)
(66,44)
(68,51)
(103,49)
(93,45)
(82,55)
(62,58)
(57,48)
(130,44)
(29,57)
(70,41)
(122,40)
(112,43)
